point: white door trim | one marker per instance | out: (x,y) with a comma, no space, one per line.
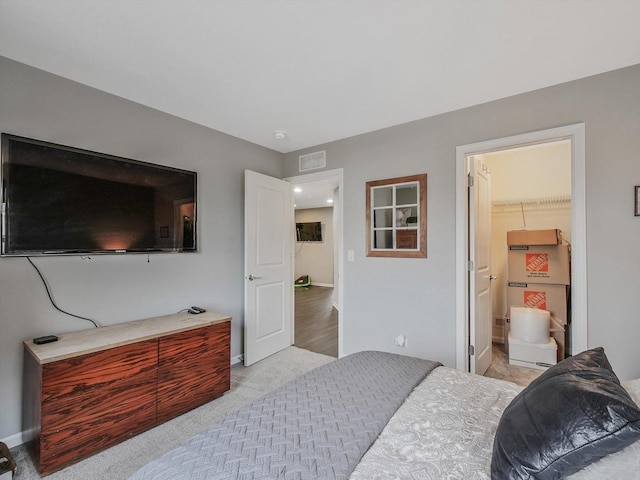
(337,173)
(576,134)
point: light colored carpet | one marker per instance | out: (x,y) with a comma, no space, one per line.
(500,368)
(124,459)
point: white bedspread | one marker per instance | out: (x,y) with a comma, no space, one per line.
(445,430)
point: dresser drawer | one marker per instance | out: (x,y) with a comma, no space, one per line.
(78,425)
(184,348)
(193,369)
(95,370)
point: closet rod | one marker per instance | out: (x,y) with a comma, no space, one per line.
(533,201)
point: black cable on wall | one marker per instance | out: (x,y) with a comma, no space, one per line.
(44,282)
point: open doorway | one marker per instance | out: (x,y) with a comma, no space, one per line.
(465,241)
(530,191)
(316,314)
(317,261)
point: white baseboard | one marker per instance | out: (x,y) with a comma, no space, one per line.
(13,440)
(237,359)
(330,285)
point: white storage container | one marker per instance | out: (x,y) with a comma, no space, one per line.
(533,355)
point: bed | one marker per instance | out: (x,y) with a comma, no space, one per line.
(375,415)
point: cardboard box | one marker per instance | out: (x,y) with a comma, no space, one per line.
(551,297)
(540,264)
(535,237)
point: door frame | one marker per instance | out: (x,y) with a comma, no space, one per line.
(338,174)
(579,320)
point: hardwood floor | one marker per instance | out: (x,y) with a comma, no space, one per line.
(316,323)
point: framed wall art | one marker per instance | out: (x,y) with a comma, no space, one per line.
(397,217)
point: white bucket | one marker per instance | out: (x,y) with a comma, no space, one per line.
(530,325)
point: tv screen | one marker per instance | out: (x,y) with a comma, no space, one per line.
(309,232)
(64,200)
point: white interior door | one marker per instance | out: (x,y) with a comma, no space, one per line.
(480,262)
(268,292)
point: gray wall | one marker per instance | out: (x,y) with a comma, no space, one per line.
(112,288)
(384,297)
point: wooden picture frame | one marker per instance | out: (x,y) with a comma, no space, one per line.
(636,209)
(397,217)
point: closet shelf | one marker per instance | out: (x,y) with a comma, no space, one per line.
(551,200)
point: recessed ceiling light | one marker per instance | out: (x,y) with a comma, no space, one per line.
(279,134)
(330,200)
(297,189)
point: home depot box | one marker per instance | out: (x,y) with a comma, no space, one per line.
(551,297)
(540,263)
(534,237)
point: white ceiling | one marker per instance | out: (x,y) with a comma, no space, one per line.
(314,194)
(320,70)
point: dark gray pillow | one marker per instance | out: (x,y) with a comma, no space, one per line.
(572,415)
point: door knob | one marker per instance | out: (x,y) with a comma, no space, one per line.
(252,278)
(492,277)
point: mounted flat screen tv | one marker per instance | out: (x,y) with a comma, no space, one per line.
(309,232)
(64,200)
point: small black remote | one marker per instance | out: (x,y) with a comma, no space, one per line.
(198,309)
(45,339)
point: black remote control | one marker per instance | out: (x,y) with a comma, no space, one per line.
(198,309)
(45,339)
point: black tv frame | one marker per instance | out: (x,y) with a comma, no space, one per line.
(313,229)
(156,169)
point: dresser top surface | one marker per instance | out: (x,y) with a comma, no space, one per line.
(83,342)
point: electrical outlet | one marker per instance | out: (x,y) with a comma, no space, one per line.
(401,341)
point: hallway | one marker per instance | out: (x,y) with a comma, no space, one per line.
(316,320)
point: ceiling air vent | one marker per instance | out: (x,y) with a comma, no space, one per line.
(313,161)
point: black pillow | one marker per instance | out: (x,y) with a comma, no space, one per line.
(572,415)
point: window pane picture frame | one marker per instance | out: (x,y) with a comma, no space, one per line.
(397,217)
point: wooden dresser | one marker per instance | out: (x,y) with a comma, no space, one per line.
(95,388)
